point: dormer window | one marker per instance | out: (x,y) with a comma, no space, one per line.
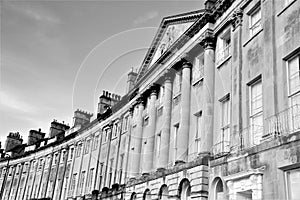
(223,46)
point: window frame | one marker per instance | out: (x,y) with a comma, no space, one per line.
(176,129)
(198,67)
(224,126)
(71,154)
(79,150)
(254,115)
(254,28)
(96,142)
(87,145)
(286,180)
(198,116)
(125,123)
(223,48)
(295,93)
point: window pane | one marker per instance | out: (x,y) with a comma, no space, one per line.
(294,184)
(294,78)
(198,67)
(257,128)
(256,98)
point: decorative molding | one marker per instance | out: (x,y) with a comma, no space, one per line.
(208,40)
(244,174)
(237,18)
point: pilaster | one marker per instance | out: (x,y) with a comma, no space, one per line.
(236,82)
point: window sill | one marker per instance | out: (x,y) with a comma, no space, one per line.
(224,61)
(114,137)
(197,81)
(286,7)
(176,95)
(160,106)
(253,36)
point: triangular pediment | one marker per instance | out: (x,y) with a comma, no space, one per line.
(172,33)
(170,30)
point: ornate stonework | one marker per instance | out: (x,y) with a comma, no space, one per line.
(237,18)
(208,40)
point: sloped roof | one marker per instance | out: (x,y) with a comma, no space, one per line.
(170,30)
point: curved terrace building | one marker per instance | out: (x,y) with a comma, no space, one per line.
(212,113)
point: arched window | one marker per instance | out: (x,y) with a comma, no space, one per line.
(163,193)
(185,190)
(147,195)
(133,196)
(219,190)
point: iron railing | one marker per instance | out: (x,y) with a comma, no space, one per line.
(283,123)
(221,148)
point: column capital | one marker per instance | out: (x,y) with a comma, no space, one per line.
(237,18)
(168,76)
(140,100)
(186,64)
(130,110)
(186,57)
(208,40)
(154,89)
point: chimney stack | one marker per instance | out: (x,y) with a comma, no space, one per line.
(130,80)
(106,101)
(81,118)
(57,128)
(13,140)
(35,136)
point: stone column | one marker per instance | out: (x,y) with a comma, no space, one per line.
(149,137)
(184,125)
(163,158)
(128,172)
(206,142)
(137,139)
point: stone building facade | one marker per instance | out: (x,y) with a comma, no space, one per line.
(212,113)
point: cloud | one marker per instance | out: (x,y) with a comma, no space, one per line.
(11,102)
(144,18)
(37,15)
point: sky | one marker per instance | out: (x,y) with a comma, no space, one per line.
(57,56)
